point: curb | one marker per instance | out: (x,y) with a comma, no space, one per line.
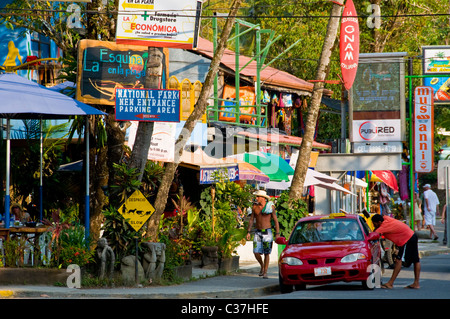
(130,293)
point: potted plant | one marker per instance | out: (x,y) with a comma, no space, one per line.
(222,204)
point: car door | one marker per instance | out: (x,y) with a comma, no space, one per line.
(374,245)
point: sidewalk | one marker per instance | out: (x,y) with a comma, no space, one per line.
(244,284)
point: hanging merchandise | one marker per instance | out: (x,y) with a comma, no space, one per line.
(274,100)
(403,182)
(265,97)
(285,100)
(384,199)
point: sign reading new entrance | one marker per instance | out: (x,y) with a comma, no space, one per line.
(149,105)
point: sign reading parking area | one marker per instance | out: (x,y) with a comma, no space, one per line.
(136,210)
(150,105)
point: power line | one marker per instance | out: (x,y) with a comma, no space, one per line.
(7,11)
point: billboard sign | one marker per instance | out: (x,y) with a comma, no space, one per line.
(423,129)
(147,105)
(104,66)
(377,99)
(159,23)
(436,61)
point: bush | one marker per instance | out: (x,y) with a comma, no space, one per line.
(289,212)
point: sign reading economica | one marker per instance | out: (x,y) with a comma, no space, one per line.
(149,105)
(159,23)
(136,210)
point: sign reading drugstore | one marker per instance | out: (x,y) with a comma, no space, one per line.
(423,129)
(159,23)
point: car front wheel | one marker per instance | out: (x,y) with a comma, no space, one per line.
(283,287)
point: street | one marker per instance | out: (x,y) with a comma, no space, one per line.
(434,282)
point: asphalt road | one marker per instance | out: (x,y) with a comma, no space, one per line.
(434,282)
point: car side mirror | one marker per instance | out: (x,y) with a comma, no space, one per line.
(281,241)
(373,236)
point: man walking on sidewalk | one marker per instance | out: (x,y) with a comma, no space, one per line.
(431,206)
(406,240)
(263,211)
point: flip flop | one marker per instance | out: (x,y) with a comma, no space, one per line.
(261,273)
(265,277)
(385,287)
(411,287)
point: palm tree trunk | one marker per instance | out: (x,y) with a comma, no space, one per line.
(199,110)
(305,149)
(145,129)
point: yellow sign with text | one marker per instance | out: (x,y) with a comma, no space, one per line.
(136,210)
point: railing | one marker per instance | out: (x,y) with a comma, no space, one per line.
(189,95)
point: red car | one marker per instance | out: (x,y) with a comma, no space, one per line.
(328,248)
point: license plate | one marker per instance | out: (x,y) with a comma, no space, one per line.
(322,271)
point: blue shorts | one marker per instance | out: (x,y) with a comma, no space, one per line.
(263,241)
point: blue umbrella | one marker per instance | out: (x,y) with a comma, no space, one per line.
(24,99)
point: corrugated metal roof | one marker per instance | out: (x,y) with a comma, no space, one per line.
(282,139)
(269,76)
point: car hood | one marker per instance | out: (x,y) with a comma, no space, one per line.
(324,250)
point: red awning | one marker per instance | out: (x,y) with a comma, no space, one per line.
(282,139)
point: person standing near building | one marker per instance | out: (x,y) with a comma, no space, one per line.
(417,211)
(431,206)
(263,211)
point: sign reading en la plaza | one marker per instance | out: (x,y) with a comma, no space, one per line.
(150,105)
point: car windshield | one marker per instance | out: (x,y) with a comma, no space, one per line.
(326,230)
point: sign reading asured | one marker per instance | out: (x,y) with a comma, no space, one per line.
(149,105)
(423,129)
(136,210)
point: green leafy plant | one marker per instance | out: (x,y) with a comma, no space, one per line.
(221,220)
(119,233)
(14,251)
(126,182)
(289,212)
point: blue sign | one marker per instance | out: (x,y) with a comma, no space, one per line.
(208,175)
(150,105)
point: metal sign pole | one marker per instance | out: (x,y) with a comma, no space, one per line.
(136,268)
(447,201)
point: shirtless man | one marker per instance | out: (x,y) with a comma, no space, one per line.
(263,211)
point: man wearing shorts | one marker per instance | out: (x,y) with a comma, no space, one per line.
(263,211)
(406,240)
(431,206)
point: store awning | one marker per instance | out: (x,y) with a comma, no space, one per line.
(271,165)
(209,166)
